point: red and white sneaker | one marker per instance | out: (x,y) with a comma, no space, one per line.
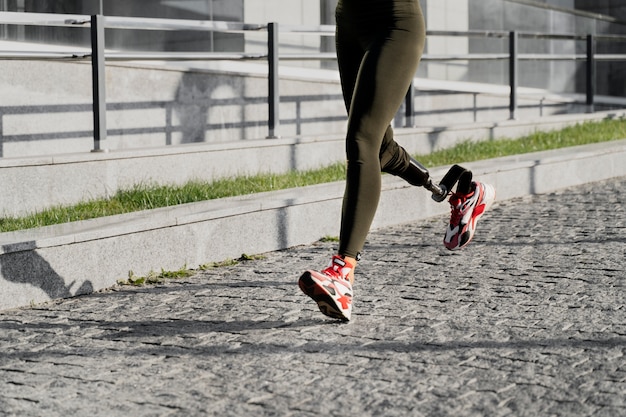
(330,289)
(466,210)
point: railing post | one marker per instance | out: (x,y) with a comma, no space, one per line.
(591,73)
(273,96)
(513,81)
(475,102)
(409,107)
(98,82)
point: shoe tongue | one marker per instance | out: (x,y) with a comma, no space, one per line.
(337,261)
(340,266)
(456,200)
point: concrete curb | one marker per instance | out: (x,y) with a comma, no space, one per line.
(71,259)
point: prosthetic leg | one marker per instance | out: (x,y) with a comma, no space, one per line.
(416,174)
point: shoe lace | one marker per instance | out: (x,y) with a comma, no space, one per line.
(456,206)
(456,201)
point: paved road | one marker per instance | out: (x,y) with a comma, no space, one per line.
(529,320)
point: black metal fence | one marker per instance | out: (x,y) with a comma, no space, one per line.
(98,55)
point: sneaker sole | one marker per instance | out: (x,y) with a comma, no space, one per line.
(324,301)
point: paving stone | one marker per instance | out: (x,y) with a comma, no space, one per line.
(528,320)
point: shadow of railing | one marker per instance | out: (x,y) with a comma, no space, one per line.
(169,132)
(189,131)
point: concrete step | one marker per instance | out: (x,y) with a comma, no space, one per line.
(35,183)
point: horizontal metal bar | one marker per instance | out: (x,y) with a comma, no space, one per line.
(610,38)
(469,33)
(323,56)
(503,34)
(142,23)
(130,56)
(469,57)
(324,30)
(536,35)
(329,30)
(609,57)
(36,55)
(524,57)
(553,36)
(466,57)
(43,19)
(183,56)
(224,56)
(425,57)
(552,57)
(119,22)
(575,57)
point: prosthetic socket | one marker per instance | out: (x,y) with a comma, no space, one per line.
(416,174)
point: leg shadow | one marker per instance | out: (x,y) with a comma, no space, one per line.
(29,268)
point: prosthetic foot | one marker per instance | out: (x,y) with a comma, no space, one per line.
(417,174)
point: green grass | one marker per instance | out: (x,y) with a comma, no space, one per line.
(581,134)
(154,278)
(150,196)
(183,272)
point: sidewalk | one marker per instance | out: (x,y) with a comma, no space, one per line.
(529,320)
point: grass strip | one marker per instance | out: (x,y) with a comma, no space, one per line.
(150,196)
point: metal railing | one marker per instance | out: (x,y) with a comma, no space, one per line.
(513,56)
(98,55)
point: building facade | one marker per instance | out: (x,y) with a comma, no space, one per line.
(550,16)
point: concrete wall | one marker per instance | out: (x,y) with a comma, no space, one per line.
(446,15)
(145,107)
(556,76)
(614,83)
(285,12)
(505,16)
(613,8)
(46,106)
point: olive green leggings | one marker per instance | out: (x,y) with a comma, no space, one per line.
(379,45)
